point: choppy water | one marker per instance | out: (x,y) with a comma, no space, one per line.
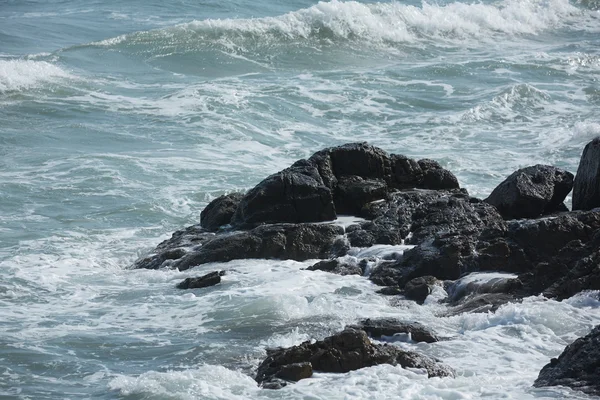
(121,120)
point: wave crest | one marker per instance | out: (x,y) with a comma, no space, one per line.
(388,23)
(18,75)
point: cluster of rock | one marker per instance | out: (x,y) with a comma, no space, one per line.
(522,228)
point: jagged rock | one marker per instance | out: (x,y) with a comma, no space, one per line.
(338,267)
(578,367)
(296,194)
(531,192)
(207,280)
(219,211)
(343,178)
(343,352)
(448,230)
(281,241)
(379,327)
(418,289)
(391,219)
(586,189)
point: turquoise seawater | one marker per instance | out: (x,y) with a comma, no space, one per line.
(119,121)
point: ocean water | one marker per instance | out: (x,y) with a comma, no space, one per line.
(121,120)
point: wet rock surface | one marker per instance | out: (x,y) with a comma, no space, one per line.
(346,351)
(578,367)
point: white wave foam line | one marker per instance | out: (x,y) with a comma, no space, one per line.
(18,75)
(376,22)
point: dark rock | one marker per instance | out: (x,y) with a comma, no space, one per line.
(586,189)
(391,219)
(346,351)
(379,327)
(435,177)
(173,249)
(280,241)
(578,367)
(296,194)
(531,192)
(338,267)
(353,192)
(295,372)
(209,279)
(219,211)
(418,289)
(352,159)
(449,231)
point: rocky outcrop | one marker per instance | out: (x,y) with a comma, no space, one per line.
(578,367)
(586,189)
(219,211)
(337,180)
(531,192)
(203,281)
(379,327)
(346,351)
(281,241)
(450,231)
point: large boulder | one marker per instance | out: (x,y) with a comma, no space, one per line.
(279,241)
(578,367)
(346,351)
(586,190)
(531,192)
(219,211)
(296,194)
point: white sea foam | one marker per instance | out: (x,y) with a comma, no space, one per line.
(16,75)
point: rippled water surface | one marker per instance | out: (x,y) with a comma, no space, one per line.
(121,120)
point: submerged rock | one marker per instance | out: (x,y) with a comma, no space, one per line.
(586,189)
(578,367)
(531,192)
(378,327)
(207,280)
(343,352)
